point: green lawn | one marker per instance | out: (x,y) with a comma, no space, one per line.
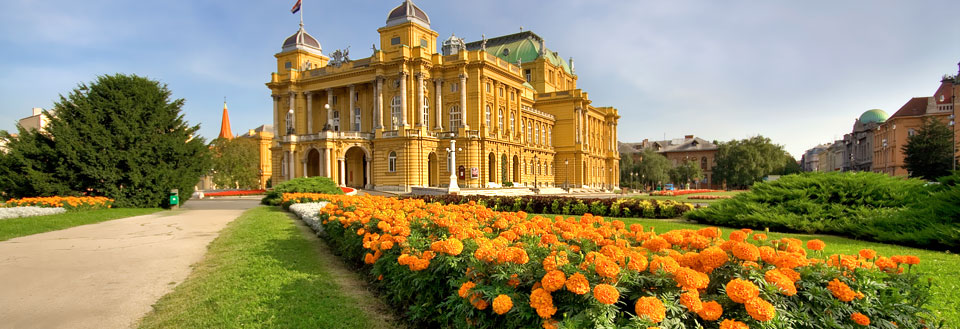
(685,198)
(943,268)
(264,272)
(23,226)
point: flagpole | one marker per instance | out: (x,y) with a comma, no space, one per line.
(301,13)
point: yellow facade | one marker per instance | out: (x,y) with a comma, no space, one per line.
(263,136)
(386,121)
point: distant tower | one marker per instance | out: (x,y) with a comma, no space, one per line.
(225,124)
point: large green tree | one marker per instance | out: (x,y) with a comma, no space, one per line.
(235,163)
(685,172)
(740,163)
(928,154)
(121,136)
(653,168)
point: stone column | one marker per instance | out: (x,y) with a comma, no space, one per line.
(293,121)
(303,164)
(577,118)
(343,171)
(403,99)
(330,107)
(309,96)
(276,114)
(326,163)
(378,105)
(368,164)
(463,101)
(438,89)
(420,102)
(291,172)
(353,93)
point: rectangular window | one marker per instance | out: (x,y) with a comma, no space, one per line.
(395,41)
(288,65)
(453,87)
(356,119)
(424,43)
(334,99)
(527,73)
(488,87)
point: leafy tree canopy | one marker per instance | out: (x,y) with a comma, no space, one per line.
(121,137)
(740,163)
(235,163)
(685,172)
(929,153)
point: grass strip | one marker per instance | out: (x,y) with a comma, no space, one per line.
(263,271)
(16,227)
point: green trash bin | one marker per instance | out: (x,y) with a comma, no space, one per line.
(174,199)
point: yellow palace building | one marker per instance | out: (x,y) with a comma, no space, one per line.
(509,105)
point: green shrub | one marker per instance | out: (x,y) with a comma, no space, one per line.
(300,185)
(861,205)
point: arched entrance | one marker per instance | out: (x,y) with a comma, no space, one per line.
(516,168)
(492,168)
(355,160)
(433,170)
(313,163)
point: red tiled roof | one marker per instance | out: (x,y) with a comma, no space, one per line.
(946,90)
(914,107)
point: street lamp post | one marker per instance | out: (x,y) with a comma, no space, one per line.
(453,188)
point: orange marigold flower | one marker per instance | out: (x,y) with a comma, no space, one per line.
(656,244)
(553,280)
(606,293)
(690,279)
(816,244)
(782,281)
(738,236)
(741,290)
(691,300)
(502,304)
(911,260)
(542,301)
(733,324)
(652,308)
(711,311)
(885,263)
(767,254)
(465,289)
(860,319)
(759,237)
(841,290)
(550,324)
(578,284)
(746,251)
(760,309)
(712,258)
(668,264)
(478,302)
(868,253)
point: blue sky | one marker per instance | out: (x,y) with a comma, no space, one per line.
(798,72)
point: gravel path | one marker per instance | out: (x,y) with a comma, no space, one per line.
(105,275)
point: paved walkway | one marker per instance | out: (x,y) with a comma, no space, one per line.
(106,275)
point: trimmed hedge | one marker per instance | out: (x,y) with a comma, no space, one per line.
(558,205)
(861,205)
(322,185)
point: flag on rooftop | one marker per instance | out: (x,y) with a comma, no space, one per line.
(296,7)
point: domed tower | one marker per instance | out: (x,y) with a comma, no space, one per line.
(453,45)
(301,52)
(408,26)
(873,116)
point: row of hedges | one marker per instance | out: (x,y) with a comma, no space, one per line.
(558,205)
(862,205)
(322,185)
(467,266)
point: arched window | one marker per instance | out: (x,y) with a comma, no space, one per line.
(550,136)
(512,121)
(454,117)
(488,118)
(426,111)
(392,162)
(529,133)
(536,134)
(395,112)
(500,120)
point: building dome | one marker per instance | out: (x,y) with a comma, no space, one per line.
(873,116)
(301,40)
(408,12)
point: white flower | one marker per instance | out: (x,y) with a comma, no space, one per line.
(309,213)
(15,212)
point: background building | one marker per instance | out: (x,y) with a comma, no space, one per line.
(810,161)
(386,121)
(858,144)
(263,135)
(892,135)
(678,151)
(37,120)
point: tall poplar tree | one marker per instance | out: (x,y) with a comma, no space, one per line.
(121,136)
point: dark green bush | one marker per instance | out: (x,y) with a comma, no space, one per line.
(861,205)
(322,185)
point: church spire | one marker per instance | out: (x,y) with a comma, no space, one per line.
(225,123)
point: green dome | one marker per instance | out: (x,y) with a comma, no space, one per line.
(873,116)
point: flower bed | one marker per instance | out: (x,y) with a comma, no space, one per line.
(469,266)
(28,211)
(709,197)
(681,192)
(309,213)
(235,193)
(558,205)
(68,203)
